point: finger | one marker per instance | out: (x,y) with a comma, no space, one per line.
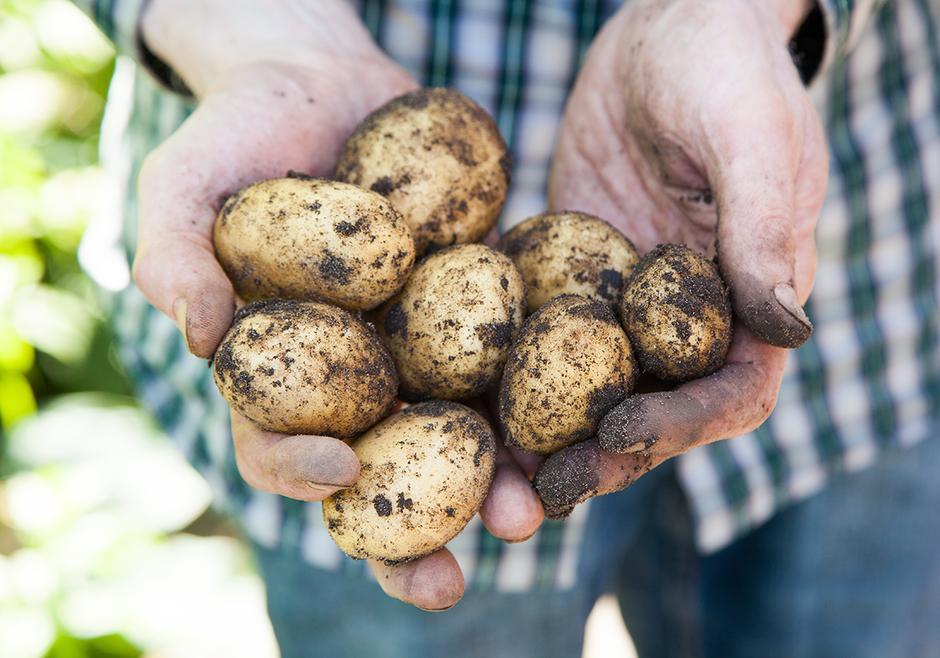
(511,510)
(433,583)
(732,401)
(529,462)
(646,430)
(302,467)
(585,470)
(754,164)
(178,273)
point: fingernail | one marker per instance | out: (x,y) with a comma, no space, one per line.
(325,488)
(436,609)
(179,315)
(519,541)
(786,297)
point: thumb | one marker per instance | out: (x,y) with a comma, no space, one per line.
(754,177)
(178,273)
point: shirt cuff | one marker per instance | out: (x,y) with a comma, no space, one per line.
(844,21)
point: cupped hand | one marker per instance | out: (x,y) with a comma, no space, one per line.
(689,124)
(272,100)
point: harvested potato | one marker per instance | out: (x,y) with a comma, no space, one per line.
(571,365)
(570,252)
(309,239)
(677,313)
(304,368)
(450,329)
(439,158)
(424,473)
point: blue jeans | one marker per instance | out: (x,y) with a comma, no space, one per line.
(852,572)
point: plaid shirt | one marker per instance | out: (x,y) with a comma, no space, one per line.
(867,382)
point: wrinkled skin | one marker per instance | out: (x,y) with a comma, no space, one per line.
(688,123)
(285,93)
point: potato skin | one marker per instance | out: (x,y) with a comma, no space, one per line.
(439,158)
(570,252)
(424,473)
(571,365)
(304,368)
(311,239)
(451,327)
(677,312)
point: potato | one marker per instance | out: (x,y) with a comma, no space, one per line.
(571,365)
(677,313)
(450,329)
(304,368)
(308,239)
(570,252)
(439,158)
(424,473)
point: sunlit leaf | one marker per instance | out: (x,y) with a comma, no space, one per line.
(67,203)
(66,34)
(54,321)
(18,45)
(16,398)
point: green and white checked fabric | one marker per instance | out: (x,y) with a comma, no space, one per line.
(867,382)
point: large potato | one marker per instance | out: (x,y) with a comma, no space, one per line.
(303,238)
(450,329)
(304,368)
(570,252)
(571,365)
(439,158)
(677,313)
(424,473)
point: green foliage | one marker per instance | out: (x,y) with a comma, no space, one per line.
(54,71)
(105,646)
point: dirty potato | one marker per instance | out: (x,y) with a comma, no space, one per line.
(570,252)
(303,238)
(677,313)
(424,473)
(304,368)
(571,365)
(439,158)
(450,328)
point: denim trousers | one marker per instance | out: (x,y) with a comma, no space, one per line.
(852,572)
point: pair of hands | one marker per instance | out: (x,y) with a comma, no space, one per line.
(686,112)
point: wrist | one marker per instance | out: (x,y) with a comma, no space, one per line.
(204,41)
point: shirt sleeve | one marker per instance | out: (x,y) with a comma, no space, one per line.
(844,21)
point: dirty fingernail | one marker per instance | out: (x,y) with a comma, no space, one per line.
(786,297)
(179,316)
(325,489)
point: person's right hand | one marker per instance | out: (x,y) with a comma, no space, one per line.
(280,86)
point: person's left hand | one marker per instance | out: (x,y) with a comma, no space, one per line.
(689,124)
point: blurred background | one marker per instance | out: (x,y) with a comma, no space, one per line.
(108,548)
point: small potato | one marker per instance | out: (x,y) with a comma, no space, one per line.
(304,368)
(310,239)
(439,158)
(450,329)
(424,473)
(677,313)
(570,252)
(571,365)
